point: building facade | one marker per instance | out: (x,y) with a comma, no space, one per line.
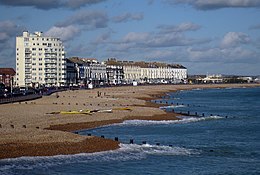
(7,76)
(154,72)
(88,71)
(40,60)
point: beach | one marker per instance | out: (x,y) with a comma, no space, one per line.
(36,128)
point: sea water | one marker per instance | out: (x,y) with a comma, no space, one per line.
(225,140)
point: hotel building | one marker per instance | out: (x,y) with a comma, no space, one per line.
(40,60)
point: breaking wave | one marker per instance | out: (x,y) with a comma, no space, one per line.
(172,107)
(124,153)
(183,119)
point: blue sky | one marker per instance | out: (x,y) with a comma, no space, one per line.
(206,36)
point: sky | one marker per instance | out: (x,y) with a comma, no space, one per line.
(206,36)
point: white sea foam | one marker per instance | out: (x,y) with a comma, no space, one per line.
(124,153)
(183,119)
(197,89)
(148,149)
(172,106)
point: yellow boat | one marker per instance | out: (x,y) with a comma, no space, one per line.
(76,112)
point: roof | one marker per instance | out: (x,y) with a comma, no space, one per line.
(7,71)
(143,64)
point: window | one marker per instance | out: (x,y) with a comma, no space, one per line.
(40,69)
(33,48)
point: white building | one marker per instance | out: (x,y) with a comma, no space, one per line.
(40,60)
(146,72)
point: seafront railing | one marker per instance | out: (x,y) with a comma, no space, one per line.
(20,98)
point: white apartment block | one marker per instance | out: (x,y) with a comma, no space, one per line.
(40,60)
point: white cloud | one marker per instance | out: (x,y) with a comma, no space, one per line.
(217,4)
(128,17)
(255,27)
(50,4)
(183,27)
(233,39)
(8,31)
(3,36)
(65,33)
(88,19)
(101,39)
(136,37)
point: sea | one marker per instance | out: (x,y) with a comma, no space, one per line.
(220,136)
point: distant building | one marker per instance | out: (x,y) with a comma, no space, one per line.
(7,76)
(150,72)
(246,79)
(115,73)
(72,73)
(213,79)
(88,70)
(40,60)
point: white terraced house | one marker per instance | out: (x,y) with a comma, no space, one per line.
(40,60)
(151,72)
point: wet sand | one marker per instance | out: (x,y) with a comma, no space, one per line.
(28,128)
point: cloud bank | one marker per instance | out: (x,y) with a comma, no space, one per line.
(50,4)
(217,4)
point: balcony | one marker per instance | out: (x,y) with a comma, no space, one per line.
(28,72)
(50,67)
(50,62)
(27,56)
(28,51)
(50,72)
(27,61)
